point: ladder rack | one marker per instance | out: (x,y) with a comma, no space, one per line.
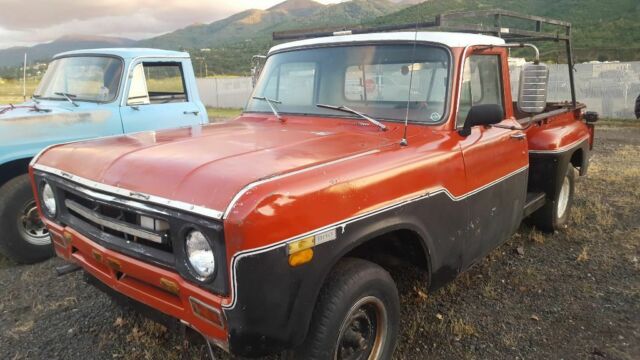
(530,28)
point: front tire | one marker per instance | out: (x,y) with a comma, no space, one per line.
(554,215)
(356,317)
(23,236)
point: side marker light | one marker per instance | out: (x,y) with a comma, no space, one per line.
(301,257)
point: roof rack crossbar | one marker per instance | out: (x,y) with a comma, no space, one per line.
(444,22)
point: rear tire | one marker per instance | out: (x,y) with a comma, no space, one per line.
(356,317)
(554,215)
(23,236)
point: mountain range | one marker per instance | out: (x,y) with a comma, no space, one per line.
(612,29)
(15,55)
(250,24)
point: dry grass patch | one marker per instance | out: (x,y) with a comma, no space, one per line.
(584,255)
(461,329)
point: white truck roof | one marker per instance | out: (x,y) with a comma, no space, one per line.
(450,39)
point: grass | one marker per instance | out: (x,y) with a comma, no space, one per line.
(618,122)
(11,90)
(5,263)
(220,114)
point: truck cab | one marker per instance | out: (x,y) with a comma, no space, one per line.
(86,94)
(355,152)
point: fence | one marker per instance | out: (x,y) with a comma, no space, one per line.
(225,92)
(608,88)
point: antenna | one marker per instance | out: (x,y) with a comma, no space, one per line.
(404,141)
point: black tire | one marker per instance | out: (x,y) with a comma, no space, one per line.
(550,217)
(352,294)
(16,200)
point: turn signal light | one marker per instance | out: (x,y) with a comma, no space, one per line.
(113,264)
(301,257)
(170,286)
(97,256)
(206,312)
(67,238)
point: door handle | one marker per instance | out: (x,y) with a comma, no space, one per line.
(519,136)
(195,112)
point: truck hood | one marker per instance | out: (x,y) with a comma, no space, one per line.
(208,165)
(24,129)
(30,110)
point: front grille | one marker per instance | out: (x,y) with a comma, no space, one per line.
(135,228)
(120,222)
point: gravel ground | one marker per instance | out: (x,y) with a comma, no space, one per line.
(570,295)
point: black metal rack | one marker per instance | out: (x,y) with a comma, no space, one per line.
(535,29)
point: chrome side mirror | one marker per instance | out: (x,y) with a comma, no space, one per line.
(257,62)
(533,88)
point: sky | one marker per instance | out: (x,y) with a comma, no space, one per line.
(28,22)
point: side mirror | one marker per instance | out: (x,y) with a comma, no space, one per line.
(591,117)
(532,94)
(257,62)
(486,114)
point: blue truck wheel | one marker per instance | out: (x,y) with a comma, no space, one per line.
(23,238)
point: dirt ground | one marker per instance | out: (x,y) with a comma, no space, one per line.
(570,295)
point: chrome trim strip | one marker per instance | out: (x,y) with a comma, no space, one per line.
(116,200)
(277,177)
(343,224)
(561,149)
(35,158)
(179,205)
(112,224)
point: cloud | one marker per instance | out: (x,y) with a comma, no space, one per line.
(27,23)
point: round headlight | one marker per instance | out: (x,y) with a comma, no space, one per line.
(49,200)
(200,254)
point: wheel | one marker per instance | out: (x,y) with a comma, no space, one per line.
(24,237)
(554,215)
(356,317)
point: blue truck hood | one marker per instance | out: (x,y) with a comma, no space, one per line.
(25,131)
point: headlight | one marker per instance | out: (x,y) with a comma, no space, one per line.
(49,200)
(200,254)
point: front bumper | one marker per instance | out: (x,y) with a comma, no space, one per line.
(151,285)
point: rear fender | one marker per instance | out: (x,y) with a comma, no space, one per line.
(547,169)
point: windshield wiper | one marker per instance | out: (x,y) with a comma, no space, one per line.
(68,96)
(270,102)
(355,112)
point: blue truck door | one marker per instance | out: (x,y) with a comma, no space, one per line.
(160,96)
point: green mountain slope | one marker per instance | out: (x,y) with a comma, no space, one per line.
(605,29)
(257,25)
(601,30)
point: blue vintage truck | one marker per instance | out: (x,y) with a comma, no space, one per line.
(86,94)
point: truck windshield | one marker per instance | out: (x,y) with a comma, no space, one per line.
(94,79)
(372,79)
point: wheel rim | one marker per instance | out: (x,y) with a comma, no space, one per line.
(563,198)
(31,226)
(363,331)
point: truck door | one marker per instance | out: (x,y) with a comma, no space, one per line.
(495,158)
(159,98)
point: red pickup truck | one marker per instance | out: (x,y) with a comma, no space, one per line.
(272,232)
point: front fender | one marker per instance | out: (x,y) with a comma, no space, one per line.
(273,302)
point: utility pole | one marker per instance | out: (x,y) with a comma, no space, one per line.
(24,78)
